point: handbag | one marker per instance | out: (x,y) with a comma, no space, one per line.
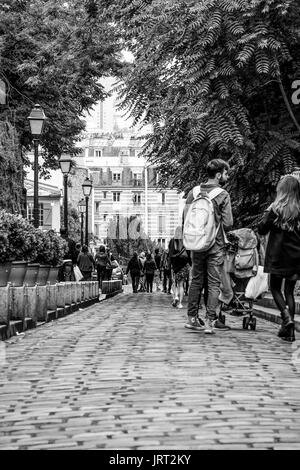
(77,273)
(179,260)
(257,285)
(182,254)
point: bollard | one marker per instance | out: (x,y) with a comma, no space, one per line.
(61,295)
(86,291)
(97,289)
(90,285)
(79,292)
(30,294)
(18,303)
(51,297)
(82,291)
(68,296)
(4,305)
(41,292)
(74,293)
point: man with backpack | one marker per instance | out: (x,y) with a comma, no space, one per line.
(207,215)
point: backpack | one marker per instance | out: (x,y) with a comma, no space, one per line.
(245,257)
(101,260)
(199,230)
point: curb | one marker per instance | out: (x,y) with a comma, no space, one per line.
(270,314)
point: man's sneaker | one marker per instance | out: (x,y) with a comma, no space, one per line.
(215,325)
(195,323)
(175,302)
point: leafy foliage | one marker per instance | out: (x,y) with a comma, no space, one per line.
(54,53)
(21,240)
(213,79)
(11,169)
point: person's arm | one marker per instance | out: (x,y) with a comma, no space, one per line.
(128,267)
(92,260)
(226,213)
(265,224)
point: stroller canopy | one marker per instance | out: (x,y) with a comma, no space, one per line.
(246,238)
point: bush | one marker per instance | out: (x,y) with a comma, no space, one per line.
(20,240)
(51,248)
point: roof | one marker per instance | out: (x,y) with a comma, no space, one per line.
(45,190)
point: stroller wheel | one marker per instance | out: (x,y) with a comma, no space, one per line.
(222,318)
(246,323)
(253,324)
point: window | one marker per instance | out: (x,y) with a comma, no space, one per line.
(161,224)
(97,207)
(137,179)
(116,177)
(41,213)
(124,153)
(162,242)
(163,198)
(96,230)
(104,194)
(105,217)
(98,153)
(116,197)
(137,198)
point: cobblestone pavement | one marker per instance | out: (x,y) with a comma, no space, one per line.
(125,374)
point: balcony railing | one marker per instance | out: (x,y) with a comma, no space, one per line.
(137,183)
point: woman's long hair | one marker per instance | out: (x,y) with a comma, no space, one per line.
(287,203)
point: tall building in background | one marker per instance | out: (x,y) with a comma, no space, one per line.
(125,187)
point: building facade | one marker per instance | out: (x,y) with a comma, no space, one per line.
(124,189)
(49,205)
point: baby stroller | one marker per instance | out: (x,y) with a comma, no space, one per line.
(241,263)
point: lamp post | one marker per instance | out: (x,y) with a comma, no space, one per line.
(36,120)
(81,209)
(87,188)
(65,166)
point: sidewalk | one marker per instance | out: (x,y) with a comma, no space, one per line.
(266,308)
(126,374)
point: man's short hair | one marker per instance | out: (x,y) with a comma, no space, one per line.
(216,166)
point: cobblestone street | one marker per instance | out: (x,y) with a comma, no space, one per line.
(126,374)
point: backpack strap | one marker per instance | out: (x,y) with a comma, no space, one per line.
(196,191)
(214,193)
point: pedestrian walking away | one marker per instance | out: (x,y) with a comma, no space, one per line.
(166,271)
(282,258)
(149,270)
(102,262)
(180,261)
(208,260)
(157,274)
(142,285)
(134,268)
(86,263)
(109,266)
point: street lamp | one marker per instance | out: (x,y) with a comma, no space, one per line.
(81,209)
(87,189)
(65,166)
(36,120)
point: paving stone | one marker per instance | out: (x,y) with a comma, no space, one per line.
(125,374)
